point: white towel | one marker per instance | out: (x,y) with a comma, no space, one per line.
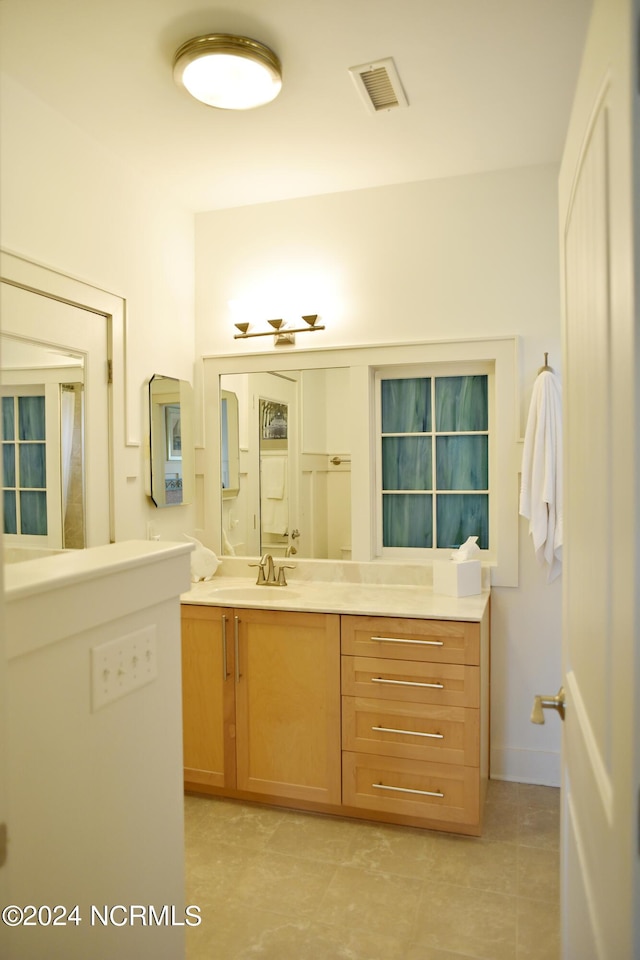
(541,489)
(272,476)
(274,500)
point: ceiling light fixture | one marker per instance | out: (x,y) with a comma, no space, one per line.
(228,72)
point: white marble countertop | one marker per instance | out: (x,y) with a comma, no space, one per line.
(375,599)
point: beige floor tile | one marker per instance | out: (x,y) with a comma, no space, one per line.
(401,851)
(375,903)
(283,884)
(531,794)
(483,864)
(233,932)
(502,821)
(538,930)
(213,869)
(503,791)
(465,920)
(538,873)
(314,941)
(539,827)
(273,884)
(247,825)
(417,951)
(315,837)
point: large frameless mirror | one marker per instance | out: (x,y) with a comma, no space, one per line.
(294,486)
(171,441)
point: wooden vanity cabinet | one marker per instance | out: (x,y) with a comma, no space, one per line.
(415,719)
(261,703)
(375,717)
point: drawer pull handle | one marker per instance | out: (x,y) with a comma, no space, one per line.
(225,672)
(408,683)
(421,643)
(423,793)
(409,733)
(236,642)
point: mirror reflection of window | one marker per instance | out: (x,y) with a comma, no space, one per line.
(171,440)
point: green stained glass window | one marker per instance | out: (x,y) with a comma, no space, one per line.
(8,464)
(461,403)
(460,516)
(406,405)
(32,465)
(446,454)
(407,520)
(10,516)
(462,463)
(33,512)
(31,418)
(8,419)
(406,463)
(24,474)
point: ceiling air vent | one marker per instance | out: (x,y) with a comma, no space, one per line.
(379,85)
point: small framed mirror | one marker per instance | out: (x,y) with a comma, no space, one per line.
(230,443)
(171,454)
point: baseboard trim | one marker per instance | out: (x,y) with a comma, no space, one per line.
(526,766)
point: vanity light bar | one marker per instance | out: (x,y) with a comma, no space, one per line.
(282,333)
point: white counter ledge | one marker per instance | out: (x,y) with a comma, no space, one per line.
(387,600)
(55,597)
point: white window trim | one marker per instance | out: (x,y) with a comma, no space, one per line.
(500,355)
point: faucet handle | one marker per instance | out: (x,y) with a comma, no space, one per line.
(282,579)
(261,576)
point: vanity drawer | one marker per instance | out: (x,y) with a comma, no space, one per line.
(411,730)
(436,791)
(440,641)
(446,684)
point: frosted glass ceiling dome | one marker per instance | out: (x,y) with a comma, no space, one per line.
(228,72)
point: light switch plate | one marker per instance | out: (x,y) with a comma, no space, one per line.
(120,666)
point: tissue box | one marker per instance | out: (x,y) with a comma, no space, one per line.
(463,579)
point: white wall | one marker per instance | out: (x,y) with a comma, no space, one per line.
(466,257)
(69,205)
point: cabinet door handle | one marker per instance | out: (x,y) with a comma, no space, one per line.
(421,643)
(422,793)
(408,683)
(236,641)
(409,733)
(225,672)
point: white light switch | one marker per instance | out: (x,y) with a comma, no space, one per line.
(122,665)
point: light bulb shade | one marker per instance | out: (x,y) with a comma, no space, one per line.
(228,72)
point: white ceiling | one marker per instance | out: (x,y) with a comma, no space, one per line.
(489,84)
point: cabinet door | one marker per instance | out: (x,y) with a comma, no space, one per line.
(207,696)
(288,704)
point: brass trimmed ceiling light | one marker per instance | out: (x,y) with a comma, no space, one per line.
(228,72)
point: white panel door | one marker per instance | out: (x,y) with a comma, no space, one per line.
(52,322)
(600,869)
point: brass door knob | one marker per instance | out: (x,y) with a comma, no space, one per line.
(542,702)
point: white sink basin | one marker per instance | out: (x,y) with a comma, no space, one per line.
(254,594)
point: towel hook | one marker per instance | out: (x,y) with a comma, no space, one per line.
(546,365)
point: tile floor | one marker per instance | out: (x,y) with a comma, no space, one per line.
(278,885)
